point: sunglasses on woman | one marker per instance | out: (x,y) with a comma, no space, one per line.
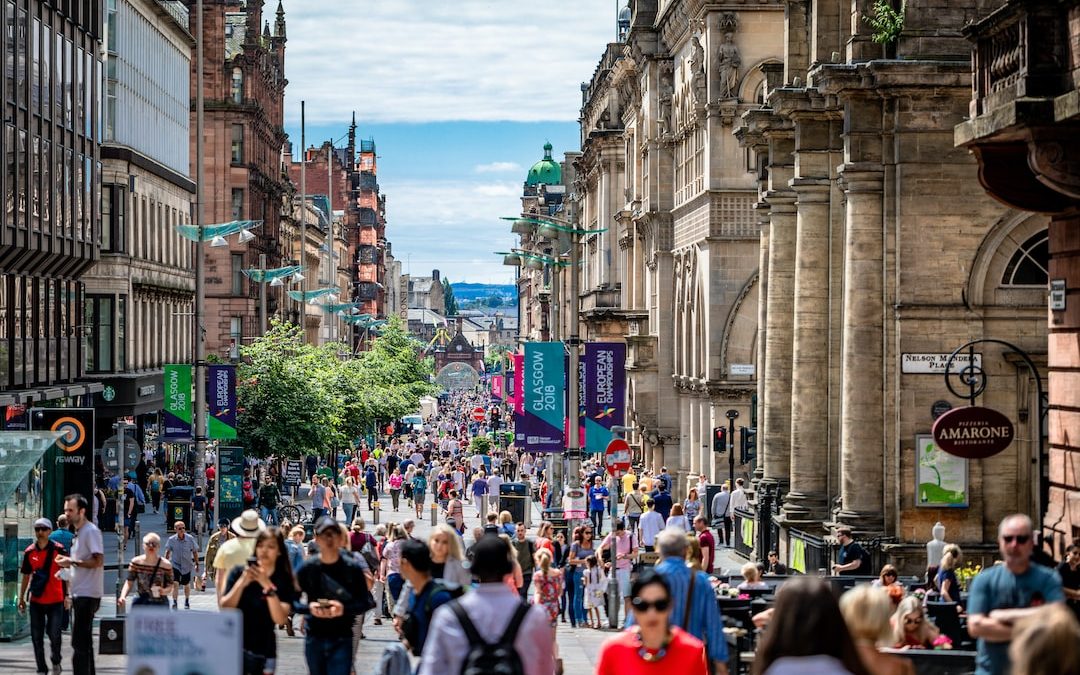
(660,605)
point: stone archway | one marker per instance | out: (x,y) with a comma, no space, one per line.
(457,375)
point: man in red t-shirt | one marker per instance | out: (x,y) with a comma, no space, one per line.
(48,595)
(707,542)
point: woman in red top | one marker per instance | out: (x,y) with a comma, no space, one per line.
(653,645)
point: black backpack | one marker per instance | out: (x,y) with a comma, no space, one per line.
(485,658)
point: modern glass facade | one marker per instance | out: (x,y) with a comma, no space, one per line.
(147,88)
(49,236)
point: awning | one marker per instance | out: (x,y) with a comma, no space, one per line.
(19,452)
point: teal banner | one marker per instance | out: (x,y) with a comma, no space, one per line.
(545,397)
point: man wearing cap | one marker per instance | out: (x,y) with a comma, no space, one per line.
(87,583)
(182,551)
(48,595)
(336,589)
(247,527)
(217,539)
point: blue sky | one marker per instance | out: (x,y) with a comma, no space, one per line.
(459,97)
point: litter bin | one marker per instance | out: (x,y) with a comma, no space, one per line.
(514,497)
(178,506)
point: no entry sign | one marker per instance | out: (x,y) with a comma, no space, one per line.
(479,414)
(617,457)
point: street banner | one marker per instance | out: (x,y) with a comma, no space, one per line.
(605,392)
(519,383)
(497,386)
(221,395)
(580,399)
(230,480)
(69,462)
(160,641)
(178,402)
(545,401)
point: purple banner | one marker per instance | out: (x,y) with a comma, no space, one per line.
(221,397)
(605,392)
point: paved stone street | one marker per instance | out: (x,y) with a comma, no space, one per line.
(577,646)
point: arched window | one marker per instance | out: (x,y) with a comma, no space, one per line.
(237,85)
(1029,265)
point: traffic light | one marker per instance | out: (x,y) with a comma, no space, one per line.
(719,435)
(748,444)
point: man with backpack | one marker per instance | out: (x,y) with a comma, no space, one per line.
(425,595)
(489,629)
(46,592)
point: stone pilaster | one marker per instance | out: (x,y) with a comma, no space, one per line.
(763,334)
(862,435)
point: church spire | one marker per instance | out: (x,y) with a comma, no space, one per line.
(279,24)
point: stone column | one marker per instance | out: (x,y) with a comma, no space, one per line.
(862,424)
(763,334)
(690,432)
(807,500)
(776,436)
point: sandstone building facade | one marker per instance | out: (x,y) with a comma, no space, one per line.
(244,75)
(879,248)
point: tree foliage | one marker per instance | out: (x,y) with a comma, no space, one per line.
(449,301)
(886,21)
(295,398)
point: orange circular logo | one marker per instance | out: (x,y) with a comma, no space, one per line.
(72,433)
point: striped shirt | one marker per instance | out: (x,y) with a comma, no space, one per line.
(706,624)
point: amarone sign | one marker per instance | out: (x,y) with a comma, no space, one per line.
(973,432)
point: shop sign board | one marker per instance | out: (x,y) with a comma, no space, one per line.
(973,432)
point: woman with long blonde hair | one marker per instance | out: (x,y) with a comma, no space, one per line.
(911,627)
(946,580)
(447,557)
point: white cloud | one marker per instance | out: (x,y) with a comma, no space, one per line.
(425,60)
(498,167)
(452,226)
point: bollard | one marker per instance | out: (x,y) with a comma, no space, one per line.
(434,513)
(483,509)
(375,512)
(613,599)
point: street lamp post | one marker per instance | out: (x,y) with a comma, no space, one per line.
(199,412)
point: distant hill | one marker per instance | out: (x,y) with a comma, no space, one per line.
(467,291)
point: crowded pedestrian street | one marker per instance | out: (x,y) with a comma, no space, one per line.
(638,337)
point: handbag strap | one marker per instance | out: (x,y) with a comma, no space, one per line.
(689,598)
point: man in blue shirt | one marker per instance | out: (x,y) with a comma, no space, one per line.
(704,619)
(1003,594)
(598,496)
(662,502)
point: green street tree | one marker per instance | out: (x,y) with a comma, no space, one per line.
(296,398)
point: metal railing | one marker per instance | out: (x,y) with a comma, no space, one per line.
(809,554)
(743,535)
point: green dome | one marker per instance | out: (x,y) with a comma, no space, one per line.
(546,171)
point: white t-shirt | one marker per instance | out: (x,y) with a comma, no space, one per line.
(87,582)
(651,524)
(493,485)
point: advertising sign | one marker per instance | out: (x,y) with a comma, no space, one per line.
(973,432)
(160,642)
(941,479)
(178,402)
(221,396)
(293,473)
(605,392)
(69,463)
(230,479)
(545,402)
(574,504)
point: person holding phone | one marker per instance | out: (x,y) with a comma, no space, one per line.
(263,589)
(337,590)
